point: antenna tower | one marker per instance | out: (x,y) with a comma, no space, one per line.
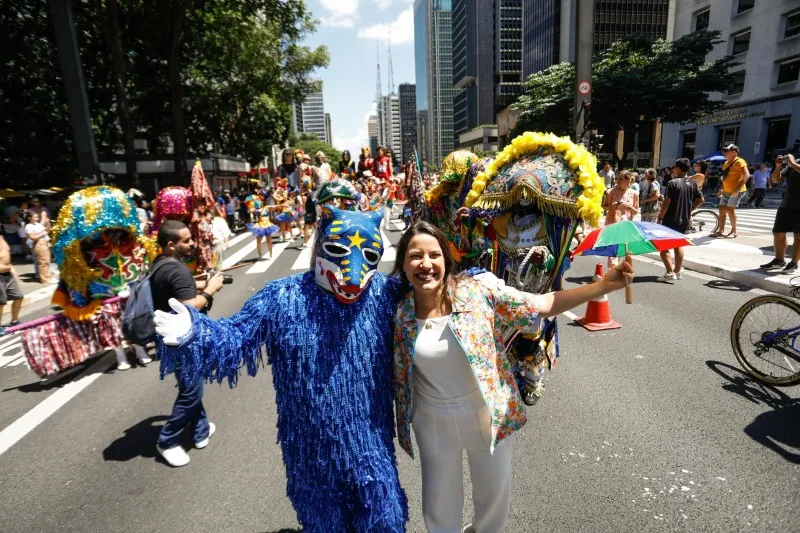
(378,84)
(391,70)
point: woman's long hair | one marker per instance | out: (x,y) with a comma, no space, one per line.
(450,278)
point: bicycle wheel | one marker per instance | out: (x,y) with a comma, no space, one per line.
(705,221)
(760,347)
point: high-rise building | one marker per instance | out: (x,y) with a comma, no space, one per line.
(508,51)
(422,135)
(328,134)
(434,68)
(408,119)
(389,123)
(421,73)
(309,117)
(541,34)
(372,132)
(473,64)
(762,107)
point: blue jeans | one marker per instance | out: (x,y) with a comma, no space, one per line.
(187,411)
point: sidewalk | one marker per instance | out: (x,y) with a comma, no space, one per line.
(737,260)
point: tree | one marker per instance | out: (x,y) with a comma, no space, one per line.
(634,82)
(310,144)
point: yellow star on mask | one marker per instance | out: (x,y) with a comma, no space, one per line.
(356,240)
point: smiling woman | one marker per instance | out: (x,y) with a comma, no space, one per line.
(453,380)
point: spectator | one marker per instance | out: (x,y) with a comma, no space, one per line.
(174,280)
(40,244)
(635,183)
(288,168)
(44,215)
(608,175)
(650,196)
(9,285)
(681,197)
(734,177)
(621,203)
(760,185)
(143,215)
(787,217)
(222,232)
(699,176)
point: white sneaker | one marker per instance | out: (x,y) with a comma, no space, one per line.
(176,456)
(123,366)
(669,276)
(678,275)
(145,360)
(203,443)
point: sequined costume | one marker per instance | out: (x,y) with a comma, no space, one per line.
(328,336)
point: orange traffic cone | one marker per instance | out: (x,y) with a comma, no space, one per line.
(598,312)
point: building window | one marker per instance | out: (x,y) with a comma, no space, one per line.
(727,135)
(745,5)
(689,139)
(792,25)
(741,42)
(737,85)
(701,19)
(789,71)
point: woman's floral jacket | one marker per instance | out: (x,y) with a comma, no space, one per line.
(482,311)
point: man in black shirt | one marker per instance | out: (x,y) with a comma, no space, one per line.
(787,217)
(681,197)
(172,279)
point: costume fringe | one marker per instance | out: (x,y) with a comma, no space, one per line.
(332,368)
(559,206)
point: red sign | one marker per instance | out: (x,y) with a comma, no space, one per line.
(584,87)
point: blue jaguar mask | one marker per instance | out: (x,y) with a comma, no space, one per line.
(347,251)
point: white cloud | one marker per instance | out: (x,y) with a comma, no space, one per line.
(383,4)
(356,141)
(341,13)
(399,31)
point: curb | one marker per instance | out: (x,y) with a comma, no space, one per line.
(744,277)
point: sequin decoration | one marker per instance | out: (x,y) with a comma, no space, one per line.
(332,370)
(172,203)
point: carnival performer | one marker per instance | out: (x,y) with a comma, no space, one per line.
(463,395)
(347,167)
(285,213)
(263,228)
(382,165)
(365,162)
(328,337)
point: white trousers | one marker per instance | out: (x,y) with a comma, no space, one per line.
(444,429)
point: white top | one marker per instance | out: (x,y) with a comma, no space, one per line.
(441,369)
(220,229)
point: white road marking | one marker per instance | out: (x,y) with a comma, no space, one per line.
(303,261)
(240,254)
(261,266)
(30,420)
(572,316)
(239,238)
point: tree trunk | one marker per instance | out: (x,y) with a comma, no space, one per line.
(114,41)
(176,91)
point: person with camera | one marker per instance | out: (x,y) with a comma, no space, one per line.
(787,218)
(171,278)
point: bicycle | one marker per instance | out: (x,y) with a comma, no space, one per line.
(764,337)
(704,221)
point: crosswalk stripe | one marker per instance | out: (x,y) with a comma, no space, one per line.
(240,254)
(303,260)
(261,266)
(11,339)
(239,238)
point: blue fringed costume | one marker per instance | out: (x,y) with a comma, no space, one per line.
(328,337)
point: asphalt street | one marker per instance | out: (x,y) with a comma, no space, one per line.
(651,427)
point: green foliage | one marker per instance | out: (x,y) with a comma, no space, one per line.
(633,81)
(240,65)
(310,144)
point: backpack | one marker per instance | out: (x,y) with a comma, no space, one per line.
(137,318)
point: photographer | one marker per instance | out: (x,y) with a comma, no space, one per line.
(787,218)
(174,280)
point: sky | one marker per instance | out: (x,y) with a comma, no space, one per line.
(355,31)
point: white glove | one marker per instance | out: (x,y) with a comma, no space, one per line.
(173,326)
(124,293)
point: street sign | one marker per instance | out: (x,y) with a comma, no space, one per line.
(584,87)
(756,148)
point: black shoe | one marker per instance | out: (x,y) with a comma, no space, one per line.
(775,263)
(791,268)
